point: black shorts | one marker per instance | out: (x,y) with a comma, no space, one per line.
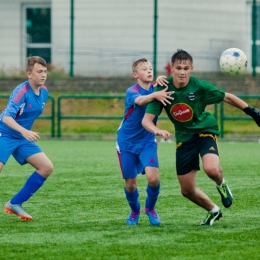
(187,153)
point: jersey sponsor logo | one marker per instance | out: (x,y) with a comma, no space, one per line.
(182,112)
(191,96)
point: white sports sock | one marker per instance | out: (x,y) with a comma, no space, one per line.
(215,209)
(221,183)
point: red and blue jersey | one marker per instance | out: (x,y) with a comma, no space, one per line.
(131,129)
(24,106)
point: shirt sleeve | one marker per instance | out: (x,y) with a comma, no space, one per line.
(16,102)
(155,107)
(131,96)
(212,93)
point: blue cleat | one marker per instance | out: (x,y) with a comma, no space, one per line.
(133,218)
(153,216)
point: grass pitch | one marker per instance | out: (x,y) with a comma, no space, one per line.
(80,211)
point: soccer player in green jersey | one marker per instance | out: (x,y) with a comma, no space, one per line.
(196,130)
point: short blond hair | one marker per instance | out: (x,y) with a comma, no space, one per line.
(31,60)
(136,63)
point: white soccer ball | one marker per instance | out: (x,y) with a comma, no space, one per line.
(233,61)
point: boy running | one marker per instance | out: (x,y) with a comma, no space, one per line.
(25,104)
(196,131)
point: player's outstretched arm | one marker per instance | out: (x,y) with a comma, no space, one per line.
(163,96)
(239,103)
(148,124)
(235,101)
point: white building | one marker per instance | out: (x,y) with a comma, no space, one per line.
(110,34)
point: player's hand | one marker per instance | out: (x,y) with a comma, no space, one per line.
(254,113)
(164,134)
(31,136)
(161,81)
(164,96)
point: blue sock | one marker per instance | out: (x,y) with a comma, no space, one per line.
(33,183)
(132,199)
(152,197)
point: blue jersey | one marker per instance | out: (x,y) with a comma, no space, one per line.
(131,129)
(24,106)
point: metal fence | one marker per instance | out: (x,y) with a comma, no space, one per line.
(218,111)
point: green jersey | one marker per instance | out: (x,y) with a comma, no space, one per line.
(187,110)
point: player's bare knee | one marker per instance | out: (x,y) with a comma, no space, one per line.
(212,172)
(131,188)
(46,170)
(154,181)
(130,185)
(49,169)
(187,193)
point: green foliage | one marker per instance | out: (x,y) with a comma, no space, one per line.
(80,211)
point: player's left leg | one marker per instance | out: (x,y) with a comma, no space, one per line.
(43,168)
(153,191)
(211,166)
(149,160)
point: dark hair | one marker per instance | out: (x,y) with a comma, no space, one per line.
(32,60)
(138,62)
(181,55)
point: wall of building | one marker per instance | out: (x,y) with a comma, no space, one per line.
(110,35)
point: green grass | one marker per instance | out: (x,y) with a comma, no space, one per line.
(80,211)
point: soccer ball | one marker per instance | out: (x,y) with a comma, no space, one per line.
(233,61)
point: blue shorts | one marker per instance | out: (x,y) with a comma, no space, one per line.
(133,158)
(21,149)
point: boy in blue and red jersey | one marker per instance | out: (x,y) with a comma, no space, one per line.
(136,147)
(25,104)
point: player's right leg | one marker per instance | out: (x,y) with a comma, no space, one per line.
(132,194)
(190,191)
(129,168)
(149,160)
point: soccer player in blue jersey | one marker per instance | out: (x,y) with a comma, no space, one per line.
(25,104)
(136,147)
